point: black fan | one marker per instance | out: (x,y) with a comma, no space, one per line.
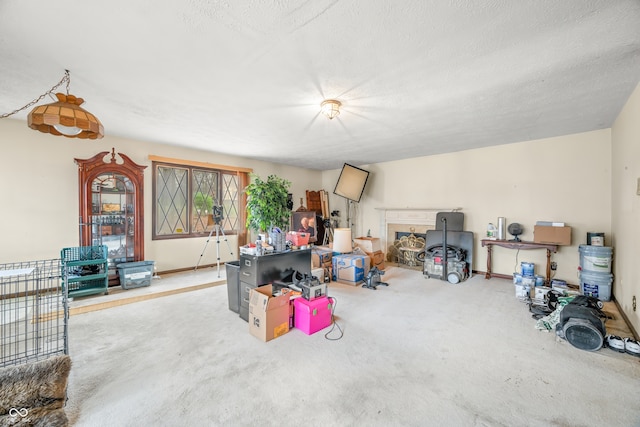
(515,230)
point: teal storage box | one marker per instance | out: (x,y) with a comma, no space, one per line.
(135,274)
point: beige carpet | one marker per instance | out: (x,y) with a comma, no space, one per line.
(421,352)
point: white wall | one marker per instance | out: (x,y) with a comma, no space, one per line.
(39,194)
(561,179)
(565,179)
(626,206)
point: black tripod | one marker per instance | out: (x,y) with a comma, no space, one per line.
(328,232)
(217,217)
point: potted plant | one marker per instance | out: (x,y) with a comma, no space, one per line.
(203,202)
(267,203)
(203,205)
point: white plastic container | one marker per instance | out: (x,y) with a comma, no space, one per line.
(596,285)
(523,292)
(527,268)
(596,259)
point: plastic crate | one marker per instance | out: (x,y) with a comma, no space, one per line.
(84,253)
(135,274)
(87,287)
(298,238)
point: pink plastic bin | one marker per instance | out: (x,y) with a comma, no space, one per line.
(312,316)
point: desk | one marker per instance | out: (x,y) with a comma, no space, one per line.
(510,244)
(258,270)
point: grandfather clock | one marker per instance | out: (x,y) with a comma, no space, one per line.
(112,207)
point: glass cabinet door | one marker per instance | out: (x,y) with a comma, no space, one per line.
(112,216)
(112,207)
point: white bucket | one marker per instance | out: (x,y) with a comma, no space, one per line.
(595,259)
(527,268)
(517,278)
(596,285)
(523,292)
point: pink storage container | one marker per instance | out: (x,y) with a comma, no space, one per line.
(312,316)
(298,238)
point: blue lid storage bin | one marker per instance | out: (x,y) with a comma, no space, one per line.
(135,274)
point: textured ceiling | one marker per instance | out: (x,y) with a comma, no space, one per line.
(415,77)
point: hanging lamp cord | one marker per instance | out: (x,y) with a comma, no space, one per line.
(66,79)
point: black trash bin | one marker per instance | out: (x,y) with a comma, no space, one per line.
(233,285)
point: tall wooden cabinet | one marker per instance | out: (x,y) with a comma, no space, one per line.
(112,207)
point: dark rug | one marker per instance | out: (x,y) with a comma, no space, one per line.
(34,394)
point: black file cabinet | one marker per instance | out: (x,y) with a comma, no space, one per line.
(264,269)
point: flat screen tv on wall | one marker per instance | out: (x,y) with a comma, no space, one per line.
(351,182)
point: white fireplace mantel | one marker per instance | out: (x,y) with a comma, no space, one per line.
(391,219)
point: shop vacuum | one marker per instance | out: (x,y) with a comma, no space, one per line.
(442,260)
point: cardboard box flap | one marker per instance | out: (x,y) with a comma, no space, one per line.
(268,314)
(258,300)
(367,244)
(262,298)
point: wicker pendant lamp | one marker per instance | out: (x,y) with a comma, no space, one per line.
(64,117)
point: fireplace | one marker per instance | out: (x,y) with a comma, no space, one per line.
(406,248)
(401,234)
(395,223)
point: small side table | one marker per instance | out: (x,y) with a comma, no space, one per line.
(510,244)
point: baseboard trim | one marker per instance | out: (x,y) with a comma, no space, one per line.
(137,298)
(626,319)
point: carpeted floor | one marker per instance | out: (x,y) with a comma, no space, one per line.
(421,352)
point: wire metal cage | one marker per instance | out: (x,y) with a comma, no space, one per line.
(33,312)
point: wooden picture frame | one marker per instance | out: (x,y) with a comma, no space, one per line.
(305,222)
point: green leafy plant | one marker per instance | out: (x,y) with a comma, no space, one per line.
(267,203)
(203,202)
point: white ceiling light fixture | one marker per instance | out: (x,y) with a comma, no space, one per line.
(330,108)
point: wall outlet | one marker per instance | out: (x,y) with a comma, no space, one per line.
(634,303)
(554,266)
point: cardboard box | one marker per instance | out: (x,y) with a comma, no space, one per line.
(552,235)
(377,259)
(350,268)
(319,273)
(292,311)
(367,244)
(268,314)
(321,256)
(312,316)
